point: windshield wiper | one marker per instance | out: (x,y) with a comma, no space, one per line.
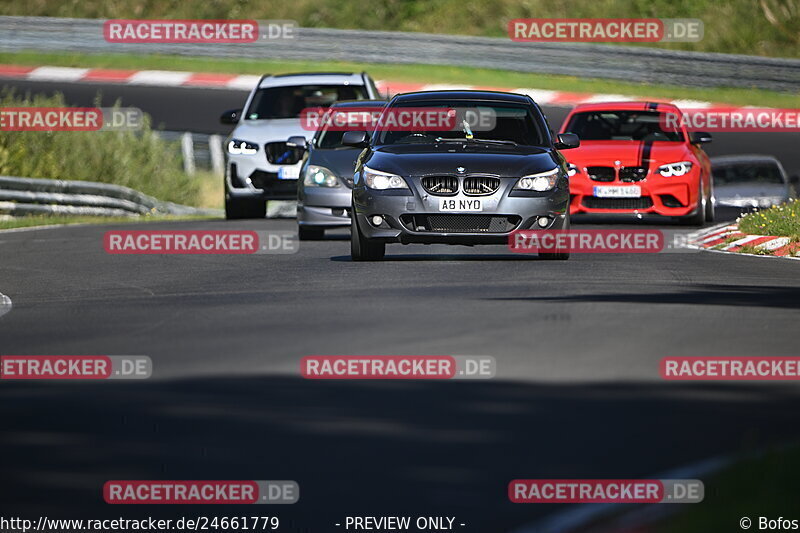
(473,140)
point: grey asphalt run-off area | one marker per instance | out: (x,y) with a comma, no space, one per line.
(577,343)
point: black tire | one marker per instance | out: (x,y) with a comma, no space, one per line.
(237,209)
(361,248)
(710,211)
(311,233)
(560,255)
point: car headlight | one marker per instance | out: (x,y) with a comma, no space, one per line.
(240,147)
(675,169)
(544,181)
(375,179)
(319,177)
(572,169)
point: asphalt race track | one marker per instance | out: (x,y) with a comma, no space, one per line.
(577,344)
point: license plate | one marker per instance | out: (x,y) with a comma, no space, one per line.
(460,204)
(610,191)
(288,173)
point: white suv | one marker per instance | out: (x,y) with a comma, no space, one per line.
(260,166)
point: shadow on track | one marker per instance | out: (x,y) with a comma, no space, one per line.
(364,448)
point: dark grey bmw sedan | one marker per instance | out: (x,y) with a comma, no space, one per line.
(492,169)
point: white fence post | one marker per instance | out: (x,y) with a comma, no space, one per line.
(187,147)
(215,149)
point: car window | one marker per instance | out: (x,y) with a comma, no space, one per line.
(329,136)
(747,173)
(622,126)
(289,101)
(509,122)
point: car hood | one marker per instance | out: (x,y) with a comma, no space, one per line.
(628,153)
(750,190)
(420,160)
(341,161)
(261,131)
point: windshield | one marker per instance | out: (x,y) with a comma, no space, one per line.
(622,126)
(330,133)
(289,101)
(744,173)
(475,121)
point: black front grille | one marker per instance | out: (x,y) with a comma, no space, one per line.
(280,154)
(632,173)
(440,185)
(592,202)
(480,185)
(602,173)
(272,186)
(461,223)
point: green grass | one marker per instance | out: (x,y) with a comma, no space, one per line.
(754,250)
(766,485)
(764,27)
(55,220)
(408,73)
(779,221)
(137,159)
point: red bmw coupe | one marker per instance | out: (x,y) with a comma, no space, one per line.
(634,160)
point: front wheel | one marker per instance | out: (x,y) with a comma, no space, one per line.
(310,233)
(362,248)
(710,214)
(237,209)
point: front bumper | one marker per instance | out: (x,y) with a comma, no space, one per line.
(413,216)
(323,206)
(247,178)
(669,197)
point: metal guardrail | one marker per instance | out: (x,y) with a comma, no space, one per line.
(629,63)
(24,196)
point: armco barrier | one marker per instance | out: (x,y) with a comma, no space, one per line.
(24,196)
(629,63)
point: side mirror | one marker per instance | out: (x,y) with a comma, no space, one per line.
(357,139)
(699,137)
(231,116)
(565,141)
(297,141)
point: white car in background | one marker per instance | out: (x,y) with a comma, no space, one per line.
(745,182)
(259,164)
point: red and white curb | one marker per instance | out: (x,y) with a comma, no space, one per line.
(167,78)
(728,238)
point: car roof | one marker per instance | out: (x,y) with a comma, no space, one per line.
(625,106)
(743,158)
(359,103)
(311,78)
(492,96)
